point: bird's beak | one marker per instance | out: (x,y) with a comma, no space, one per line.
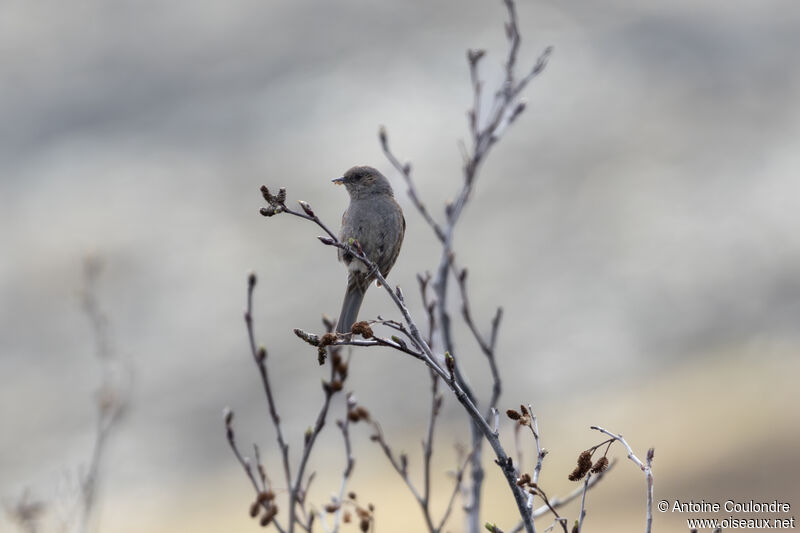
(338,181)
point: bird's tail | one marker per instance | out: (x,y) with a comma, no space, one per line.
(351,304)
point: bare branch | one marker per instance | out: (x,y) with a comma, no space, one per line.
(405,171)
(349,461)
(112,399)
(308,445)
(424,281)
(487,347)
(346,340)
(261,501)
(294,483)
(401,467)
(459,476)
(484,135)
(427,444)
(582,513)
(260,357)
(645,467)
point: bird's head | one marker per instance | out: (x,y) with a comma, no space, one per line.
(364,181)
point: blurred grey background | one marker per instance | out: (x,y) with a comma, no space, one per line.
(639,225)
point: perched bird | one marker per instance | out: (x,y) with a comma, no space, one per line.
(375,220)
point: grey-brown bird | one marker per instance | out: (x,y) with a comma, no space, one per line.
(376,221)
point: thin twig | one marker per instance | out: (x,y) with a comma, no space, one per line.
(540,453)
(427,444)
(294,484)
(424,281)
(310,439)
(558,521)
(405,171)
(459,475)
(260,357)
(349,463)
(401,467)
(111,401)
(487,347)
(582,513)
(645,467)
(423,499)
(377,341)
(245,463)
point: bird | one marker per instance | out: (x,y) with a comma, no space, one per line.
(375,220)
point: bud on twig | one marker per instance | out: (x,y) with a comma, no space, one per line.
(517,111)
(451,364)
(328,322)
(306,208)
(475,55)
(310,338)
(382,136)
(399,341)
